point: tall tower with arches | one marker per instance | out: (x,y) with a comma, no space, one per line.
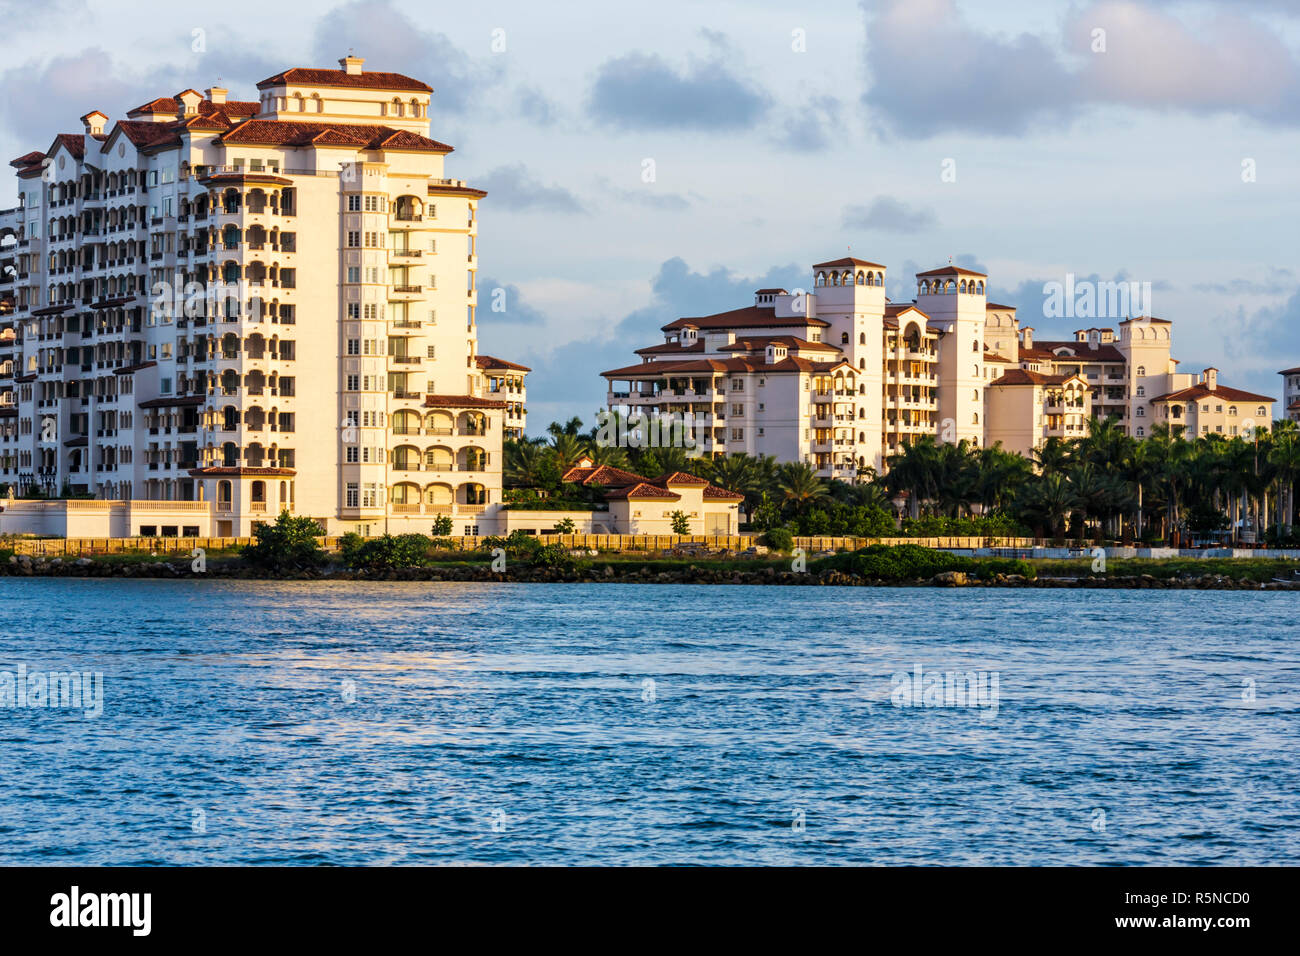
(851,297)
(955,300)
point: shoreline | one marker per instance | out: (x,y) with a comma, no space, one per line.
(628,573)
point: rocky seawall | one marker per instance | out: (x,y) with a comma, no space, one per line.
(624,573)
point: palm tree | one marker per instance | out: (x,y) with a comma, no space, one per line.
(567,448)
(1050,499)
(572,428)
(1285,458)
(800,487)
(1053,455)
(525,463)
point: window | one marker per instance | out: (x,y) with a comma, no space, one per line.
(353,494)
(354,204)
(354,241)
(354,276)
(1261,411)
(1141,391)
(1141,412)
(1142,369)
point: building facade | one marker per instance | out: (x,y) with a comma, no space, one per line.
(841,378)
(261,305)
(1290,393)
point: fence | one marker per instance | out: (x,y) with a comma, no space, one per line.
(1002,547)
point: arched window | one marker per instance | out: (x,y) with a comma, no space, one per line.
(962,287)
(975,346)
(862,338)
(981,288)
(1142,370)
(975,418)
(223,493)
(975,394)
(1141,412)
(975,370)
(1142,391)
(1141,431)
(862,278)
(844,338)
(1232,410)
(1261,411)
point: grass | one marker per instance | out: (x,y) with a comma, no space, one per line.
(1238,569)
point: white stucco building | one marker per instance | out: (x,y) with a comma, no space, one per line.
(257,304)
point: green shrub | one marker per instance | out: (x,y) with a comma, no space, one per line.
(910,562)
(680,523)
(565,526)
(552,556)
(442,526)
(385,552)
(289,543)
(779,539)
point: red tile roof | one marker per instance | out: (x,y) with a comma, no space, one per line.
(1082,351)
(679,478)
(790,341)
(460,401)
(847,261)
(749,317)
(602,475)
(1203,391)
(27,159)
(1147,320)
(74,143)
(488,361)
(148,135)
(292,133)
(365,80)
(1020,376)
(1290,371)
(713,492)
(788,364)
(991,306)
(952,271)
(643,490)
(672,348)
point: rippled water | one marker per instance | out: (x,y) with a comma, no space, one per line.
(357,723)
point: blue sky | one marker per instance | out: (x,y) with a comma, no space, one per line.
(780,136)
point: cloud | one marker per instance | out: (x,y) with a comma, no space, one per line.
(969,81)
(565,379)
(643,91)
(503,303)
(650,195)
(932,73)
(534,105)
(392,42)
(513,187)
(886,214)
(1276,282)
(814,127)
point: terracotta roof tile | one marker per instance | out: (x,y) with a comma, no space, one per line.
(365,80)
(293,133)
(488,361)
(749,317)
(1203,391)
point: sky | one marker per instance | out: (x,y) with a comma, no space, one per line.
(649,161)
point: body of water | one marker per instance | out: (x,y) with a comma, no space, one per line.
(367,723)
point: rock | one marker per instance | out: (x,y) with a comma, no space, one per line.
(950,578)
(83,562)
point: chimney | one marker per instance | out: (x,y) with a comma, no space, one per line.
(94,122)
(216,94)
(351,65)
(1027,337)
(1211,378)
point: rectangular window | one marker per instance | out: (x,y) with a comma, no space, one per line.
(354,275)
(354,240)
(353,493)
(354,204)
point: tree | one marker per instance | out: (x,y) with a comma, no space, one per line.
(288,544)
(681,523)
(800,486)
(565,526)
(441,526)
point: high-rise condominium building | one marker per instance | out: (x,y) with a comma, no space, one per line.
(841,378)
(253,305)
